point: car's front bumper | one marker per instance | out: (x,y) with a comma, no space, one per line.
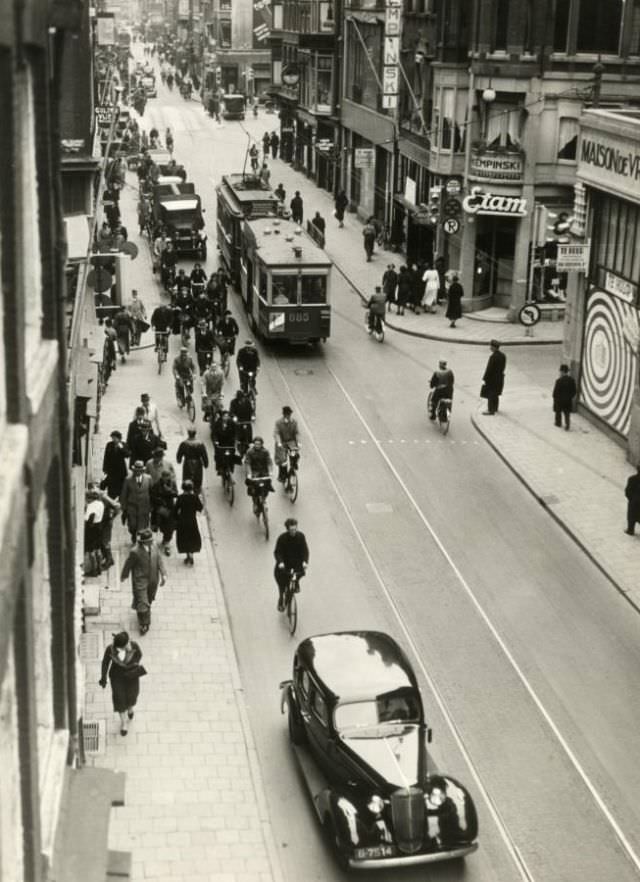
(410,860)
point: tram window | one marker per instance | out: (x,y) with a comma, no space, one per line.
(314,289)
(284,290)
(263,284)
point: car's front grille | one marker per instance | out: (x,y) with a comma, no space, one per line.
(408,816)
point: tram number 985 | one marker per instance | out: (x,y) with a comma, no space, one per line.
(299,317)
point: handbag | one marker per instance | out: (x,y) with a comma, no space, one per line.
(134,672)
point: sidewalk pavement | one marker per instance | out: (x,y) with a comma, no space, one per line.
(346,250)
(579,476)
(195,809)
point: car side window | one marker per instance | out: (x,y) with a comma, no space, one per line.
(319,707)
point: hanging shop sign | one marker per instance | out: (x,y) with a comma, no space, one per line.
(497,166)
(104,114)
(479,202)
(573,257)
(392,20)
(365,157)
(105,30)
(620,287)
(391,80)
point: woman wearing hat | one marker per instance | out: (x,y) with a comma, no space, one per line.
(114,465)
(188,538)
(121,662)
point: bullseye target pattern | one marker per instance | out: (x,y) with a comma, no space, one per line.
(609,365)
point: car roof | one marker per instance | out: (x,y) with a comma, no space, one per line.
(357,664)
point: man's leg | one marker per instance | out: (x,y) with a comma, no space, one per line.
(281,577)
(558,418)
(567,419)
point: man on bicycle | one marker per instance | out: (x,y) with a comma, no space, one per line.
(223,435)
(226,331)
(212,380)
(442,384)
(205,343)
(161,321)
(183,371)
(247,362)
(285,435)
(291,553)
(377,306)
(242,415)
(259,467)
(198,278)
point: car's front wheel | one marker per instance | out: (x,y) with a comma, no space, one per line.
(335,842)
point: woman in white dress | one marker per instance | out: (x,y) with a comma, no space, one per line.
(431,281)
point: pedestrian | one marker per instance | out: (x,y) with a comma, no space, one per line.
(121,662)
(632,492)
(342,200)
(135,500)
(146,568)
(369,236)
(151,412)
(564,391)
(431,281)
(454,301)
(138,313)
(404,289)
(253,156)
(275,143)
(188,539)
(141,442)
(158,464)
(493,379)
(195,458)
(124,328)
(297,207)
(417,287)
(163,498)
(281,193)
(266,143)
(265,174)
(389,285)
(320,223)
(114,465)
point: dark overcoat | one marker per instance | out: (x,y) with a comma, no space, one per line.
(493,379)
(564,392)
(454,301)
(136,502)
(114,466)
(187,533)
(632,492)
(124,691)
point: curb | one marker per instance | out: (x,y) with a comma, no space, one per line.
(560,521)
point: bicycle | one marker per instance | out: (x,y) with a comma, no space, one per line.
(375,326)
(260,508)
(291,482)
(244,436)
(224,345)
(248,385)
(290,602)
(162,348)
(443,412)
(184,396)
(212,407)
(226,474)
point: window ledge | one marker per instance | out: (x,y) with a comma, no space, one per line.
(42,365)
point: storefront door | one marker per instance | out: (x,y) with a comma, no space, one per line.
(494,258)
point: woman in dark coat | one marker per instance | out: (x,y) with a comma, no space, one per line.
(454,302)
(195,458)
(122,662)
(404,289)
(187,533)
(114,465)
(342,201)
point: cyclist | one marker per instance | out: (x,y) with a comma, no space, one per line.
(259,467)
(183,371)
(184,302)
(242,415)
(182,281)
(223,435)
(161,321)
(285,435)
(227,330)
(202,309)
(159,245)
(442,384)
(205,343)
(198,279)
(168,135)
(376,305)
(212,380)
(291,553)
(247,362)
(168,261)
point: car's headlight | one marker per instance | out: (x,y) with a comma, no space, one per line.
(376,805)
(435,798)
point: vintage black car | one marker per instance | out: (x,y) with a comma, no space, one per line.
(178,208)
(356,722)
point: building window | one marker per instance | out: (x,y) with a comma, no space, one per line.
(323,83)
(567,138)
(501,26)
(634,43)
(561,26)
(363,82)
(277,17)
(504,125)
(225,34)
(529,35)
(599,26)
(615,238)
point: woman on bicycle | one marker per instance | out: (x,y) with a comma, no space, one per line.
(441,383)
(291,553)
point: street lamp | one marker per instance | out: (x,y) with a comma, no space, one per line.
(290,74)
(488,96)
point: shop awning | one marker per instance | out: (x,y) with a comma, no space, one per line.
(77,235)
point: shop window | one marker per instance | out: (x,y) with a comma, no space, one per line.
(568,138)
(313,290)
(504,125)
(615,238)
(501,25)
(284,290)
(561,26)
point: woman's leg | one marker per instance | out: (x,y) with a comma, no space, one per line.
(123,723)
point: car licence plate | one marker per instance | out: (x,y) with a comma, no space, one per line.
(375,851)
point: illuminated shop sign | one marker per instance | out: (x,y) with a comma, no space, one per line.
(479,202)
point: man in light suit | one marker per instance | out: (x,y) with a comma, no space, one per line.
(146,568)
(135,500)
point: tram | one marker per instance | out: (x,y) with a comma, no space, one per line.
(238,197)
(285,282)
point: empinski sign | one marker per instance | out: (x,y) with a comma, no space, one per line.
(479,202)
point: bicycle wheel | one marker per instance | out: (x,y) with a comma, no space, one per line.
(226,362)
(292,486)
(265,521)
(228,487)
(160,361)
(252,399)
(191,409)
(292,611)
(444,418)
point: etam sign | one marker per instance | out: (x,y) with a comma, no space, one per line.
(479,202)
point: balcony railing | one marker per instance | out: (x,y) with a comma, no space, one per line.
(496,164)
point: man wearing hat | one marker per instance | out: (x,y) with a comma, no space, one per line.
(212,381)
(141,442)
(183,371)
(442,382)
(493,379)
(135,500)
(158,464)
(285,435)
(389,284)
(205,344)
(146,568)
(247,362)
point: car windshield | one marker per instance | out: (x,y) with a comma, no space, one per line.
(181,219)
(400,706)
